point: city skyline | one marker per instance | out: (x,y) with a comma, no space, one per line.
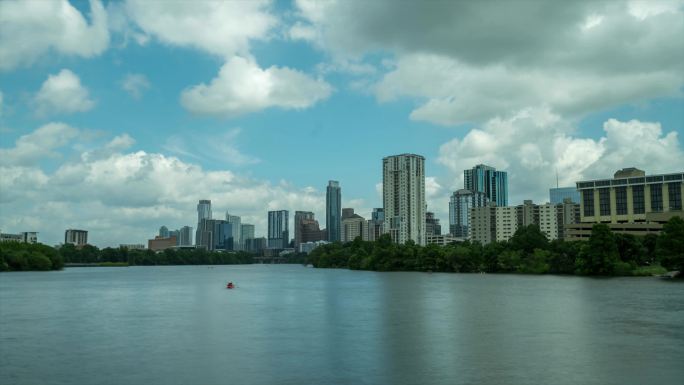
(117,124)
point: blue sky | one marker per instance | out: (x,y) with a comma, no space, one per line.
(117,117)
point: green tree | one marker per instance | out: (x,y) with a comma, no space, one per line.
(529,238)
(599,255)
(670,245)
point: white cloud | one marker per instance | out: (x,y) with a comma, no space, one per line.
(135,85)
(123,196)
(31,29)
(223,148)
(575,57)
(242,87)
(218,27)
(62,94)
(457,93)
(533,144)
(39,144)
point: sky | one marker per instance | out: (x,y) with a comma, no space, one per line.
(117,117)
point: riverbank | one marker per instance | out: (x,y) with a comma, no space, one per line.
(527,252)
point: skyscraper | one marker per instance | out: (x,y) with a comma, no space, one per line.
(236,229)
(459,210)
(246,232)
(203,212)
(185,236)
(403,197)
(164,232)
(76,237)
(494,184)
(300,217)
(333,210)
(278,229)
(432,226)
(375,224)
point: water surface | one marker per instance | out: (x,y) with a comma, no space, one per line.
(287,324)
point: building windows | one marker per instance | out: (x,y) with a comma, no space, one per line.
(588,201)
(657,198)
(675,192)
(638,199)
(604,201)
(621,200)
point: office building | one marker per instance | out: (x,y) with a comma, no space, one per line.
(557,195)
(630,203)
(375,224)
(163,232)
(255,245)
(278,229)
(159,243)
(223,235)
(205,235)
(76,237)
(185,236)
(203,212)
(460,203)
(132,246)
(299,218)
(485,179)
(492,223)
(236,228)
(432,226)
(353,225)
(23,237)
(333,208)
(246,232)
(443,240)
(403,197)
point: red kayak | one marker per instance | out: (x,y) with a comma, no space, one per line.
(230,286)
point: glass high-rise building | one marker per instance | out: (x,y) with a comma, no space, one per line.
(246,232)
(333,210)
(460,204)
(557,195)
(185,236)
(403,197)
(485,179)
(235,220)
(278,229)
(203,212)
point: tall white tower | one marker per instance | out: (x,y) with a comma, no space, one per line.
(403,197)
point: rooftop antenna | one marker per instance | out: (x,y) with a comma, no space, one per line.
(556,177)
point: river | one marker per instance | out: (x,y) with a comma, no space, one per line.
(288,324)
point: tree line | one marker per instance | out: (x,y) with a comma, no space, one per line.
(16,256)
(528,252)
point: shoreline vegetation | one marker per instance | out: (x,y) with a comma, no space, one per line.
(527,252)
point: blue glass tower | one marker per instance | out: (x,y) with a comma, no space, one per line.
(485,179)
(333,211)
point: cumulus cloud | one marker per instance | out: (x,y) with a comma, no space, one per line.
(123,196)
(471,61)
(39,144)
(218,27)
(457,93)
(135,85)
(534,144)
(62,94)
(31,29)
(242,87)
